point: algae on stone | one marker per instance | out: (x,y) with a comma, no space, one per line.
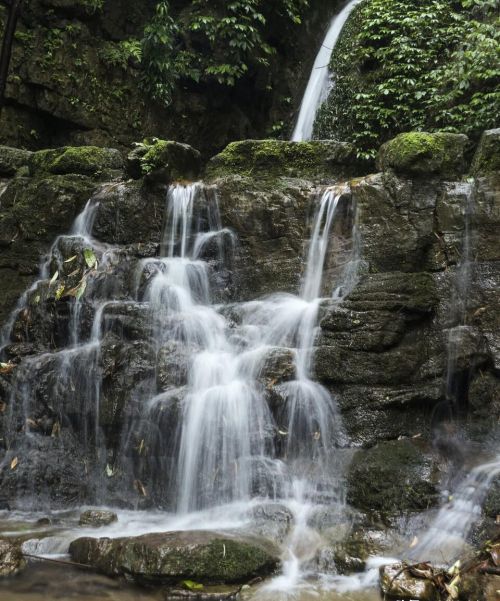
(164,161)
(170,557)
(420,153)
(12,159)
(326,159)
(92,161)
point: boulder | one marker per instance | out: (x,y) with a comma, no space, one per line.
(97,517)
(398,583)
(169,557)
(164,161)
(92,161)
(326,159)
(11,558)
(424,154)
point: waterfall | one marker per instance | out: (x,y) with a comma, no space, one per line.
(225,446)
(223,431)
(445,538)
(318,85)
(459,301)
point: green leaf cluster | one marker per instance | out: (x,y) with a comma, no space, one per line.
(424,65)
(211,41)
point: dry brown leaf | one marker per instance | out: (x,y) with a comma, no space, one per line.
(139,486)
(13,463)
(7,368)
(56,430)
(3,406)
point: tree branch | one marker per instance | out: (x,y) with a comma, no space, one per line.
(13,10)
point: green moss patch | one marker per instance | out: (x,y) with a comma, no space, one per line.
(419,153)
(273,158)
(82,160)
(12,159)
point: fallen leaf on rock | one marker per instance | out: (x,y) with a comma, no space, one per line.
(71,259)
(3,406)
(13,463)
(59,291)
(56,429)
(7,368)
(89,257)
(191,585)
(54,278)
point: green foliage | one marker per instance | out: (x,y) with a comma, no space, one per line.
(118,54)
(425,65)
(211,41)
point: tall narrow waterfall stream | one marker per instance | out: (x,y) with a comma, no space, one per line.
(318,85)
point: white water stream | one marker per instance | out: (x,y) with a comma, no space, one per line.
(226,461)
(319,83)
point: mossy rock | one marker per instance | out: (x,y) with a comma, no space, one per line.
(423,154)
(12,159)
(487,158)
(327,159)
(83,160)
(393,477)
(170,557)
(164,161)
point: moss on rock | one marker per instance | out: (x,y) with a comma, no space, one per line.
(12,159)
(420,153)
(83,160)
(169,557)
(273,158)
(487,158)
(164,161)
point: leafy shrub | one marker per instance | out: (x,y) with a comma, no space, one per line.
(211,41)
(425,65)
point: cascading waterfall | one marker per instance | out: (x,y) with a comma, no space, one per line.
(226,429)
(445,538)
(319,82)
(71,369)
(235,441)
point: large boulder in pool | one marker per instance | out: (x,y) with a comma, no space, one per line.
(170,557)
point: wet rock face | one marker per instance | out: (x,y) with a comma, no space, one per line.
(383,351)
(170,557)
(271,227)
(11,558)
(393,477)
(48,469)
(97,517)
